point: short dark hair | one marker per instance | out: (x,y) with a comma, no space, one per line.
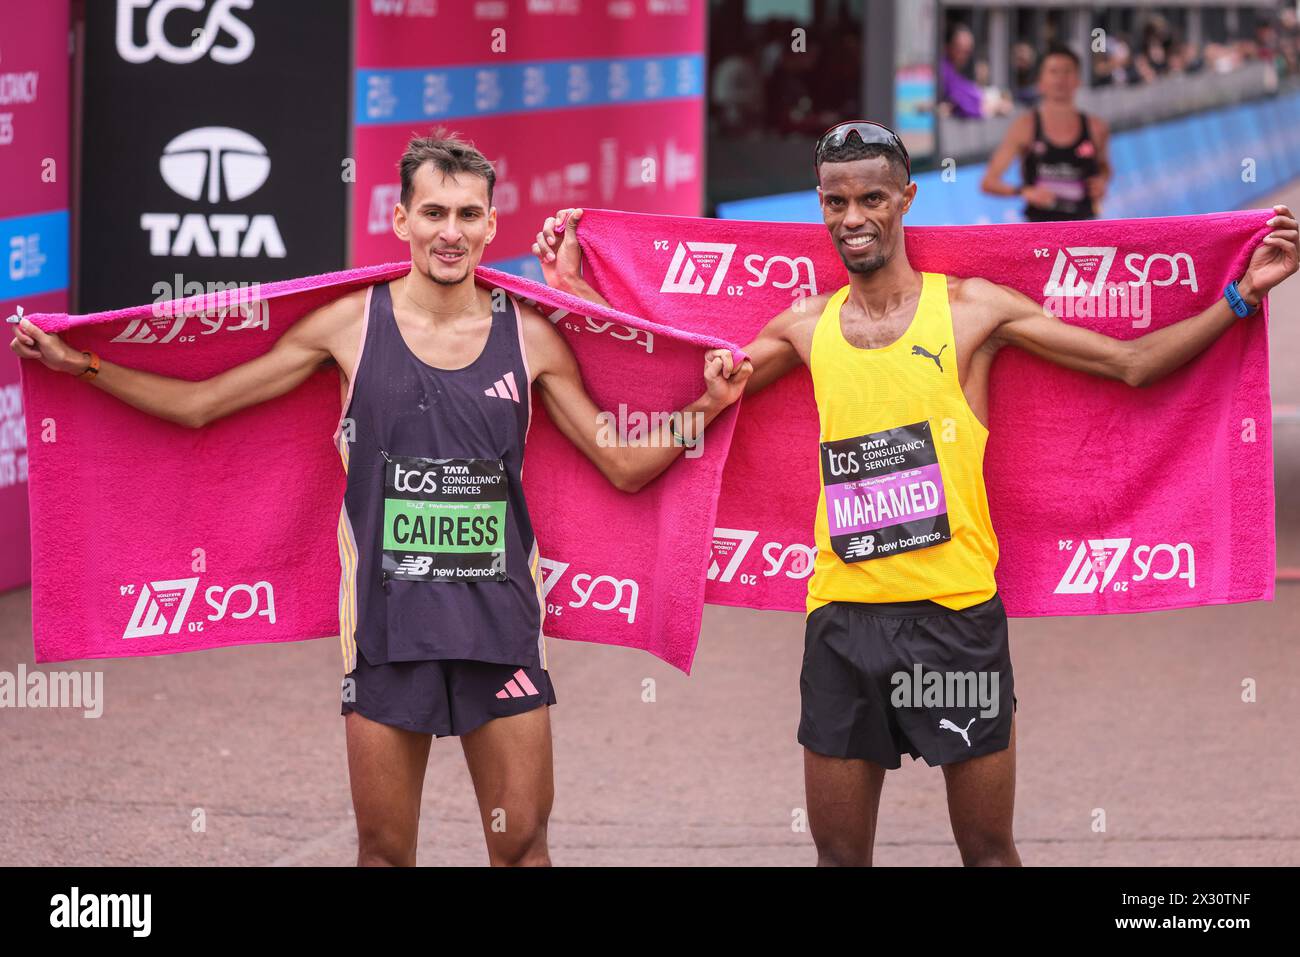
(1058,49)
(854,149)
(953,28)
(450,154)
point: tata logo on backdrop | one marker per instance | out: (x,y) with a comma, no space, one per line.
(219,24)
(214,164)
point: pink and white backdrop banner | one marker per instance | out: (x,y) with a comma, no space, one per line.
(34,173)
(575,104)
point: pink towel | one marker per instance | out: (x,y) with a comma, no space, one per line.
(1105,498)
(149,538)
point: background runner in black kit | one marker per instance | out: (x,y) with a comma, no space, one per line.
(400,405)
(1075,163)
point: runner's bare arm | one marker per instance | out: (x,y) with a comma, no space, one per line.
(1098,184)
(773,352)
(1148,358)
(1016,141)
(628,468)
(304,347)
(1019,321)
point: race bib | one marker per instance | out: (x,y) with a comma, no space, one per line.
(884,493)
(444,519)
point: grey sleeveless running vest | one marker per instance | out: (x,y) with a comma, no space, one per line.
(437,550)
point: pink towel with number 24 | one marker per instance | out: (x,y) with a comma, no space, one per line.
(149,538)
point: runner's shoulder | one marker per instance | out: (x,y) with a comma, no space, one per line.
(978,294)
(984,304)
(529,314)
(1021,129)
(337,317)
(1097,126)
(545,348)
(539,332)
(333,328)
(801,314)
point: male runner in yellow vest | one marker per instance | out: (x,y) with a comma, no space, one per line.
(900,364)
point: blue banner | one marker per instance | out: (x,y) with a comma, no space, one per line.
(427,93)
(35,252)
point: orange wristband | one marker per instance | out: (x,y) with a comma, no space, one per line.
(91,370)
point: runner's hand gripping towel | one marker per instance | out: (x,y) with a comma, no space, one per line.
(151,538)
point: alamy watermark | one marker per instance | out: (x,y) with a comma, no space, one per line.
(76,909)
(1119,300)
(648,429)
(178,299)
(53,689)
(919,688)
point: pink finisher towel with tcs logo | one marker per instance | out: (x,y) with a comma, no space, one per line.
(150,538)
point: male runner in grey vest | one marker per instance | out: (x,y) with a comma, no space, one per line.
(440,605)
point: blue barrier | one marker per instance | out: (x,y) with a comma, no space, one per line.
(1195,164)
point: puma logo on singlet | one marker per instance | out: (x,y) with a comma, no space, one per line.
(946,725)
(921,351)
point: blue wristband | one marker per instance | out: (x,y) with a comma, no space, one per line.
(1238,304)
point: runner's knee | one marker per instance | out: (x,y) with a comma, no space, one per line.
(521,843)
(842,850)
(383,845)
(988,848)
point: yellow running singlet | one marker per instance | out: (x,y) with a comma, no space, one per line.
(903,514)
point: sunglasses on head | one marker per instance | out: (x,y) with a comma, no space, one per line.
(868,132)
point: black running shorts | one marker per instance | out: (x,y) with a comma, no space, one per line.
(881,680)
(447,697)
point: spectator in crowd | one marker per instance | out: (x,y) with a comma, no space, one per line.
(1191,58)
(1122,62)
(1103,69)
(813,78)
(1222,57)
(790,91)
(1265,41)
(959,95)
(795,78)
(1152,59)
(1024,90)
(736,93)
(1288,55)
(774,47)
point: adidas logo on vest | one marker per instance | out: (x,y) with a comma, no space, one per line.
(504,388)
